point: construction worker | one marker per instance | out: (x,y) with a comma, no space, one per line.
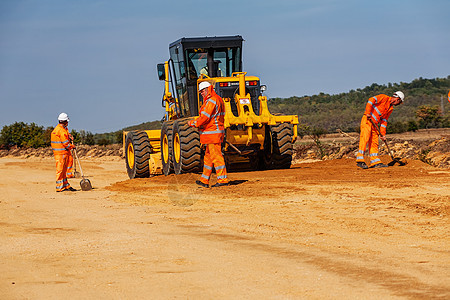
(448,96)
(378,109)
(61,146)
(210,124)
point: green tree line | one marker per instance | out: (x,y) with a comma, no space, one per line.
(318,114)
(25,135)
(422,107)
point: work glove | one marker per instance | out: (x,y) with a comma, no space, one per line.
(192,123)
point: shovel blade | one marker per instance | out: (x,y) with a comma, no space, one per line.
(85,185)
(396,160)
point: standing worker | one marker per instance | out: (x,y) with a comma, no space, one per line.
(378,109)
(210,124)
(61,150)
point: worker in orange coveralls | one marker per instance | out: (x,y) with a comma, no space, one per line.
(210,124)
(448,96)
(61,150)
(378,108)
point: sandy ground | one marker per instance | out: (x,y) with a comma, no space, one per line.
(322,230)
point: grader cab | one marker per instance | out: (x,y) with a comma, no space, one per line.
(254,138)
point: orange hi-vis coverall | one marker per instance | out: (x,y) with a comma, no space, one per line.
(448,96)
(210,124)
(379,108)
(61,150)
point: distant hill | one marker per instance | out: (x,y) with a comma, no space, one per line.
(344,111)
(116,136)
(321,113)
(144,126)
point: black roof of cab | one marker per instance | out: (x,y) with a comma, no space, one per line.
(209,42)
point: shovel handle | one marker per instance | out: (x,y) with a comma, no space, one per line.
(76,156)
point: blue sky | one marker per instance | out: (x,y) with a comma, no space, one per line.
(96,59)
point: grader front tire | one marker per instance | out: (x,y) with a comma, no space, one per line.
(278,148)
(282,146)
(137,154)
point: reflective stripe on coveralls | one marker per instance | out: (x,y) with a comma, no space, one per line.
(214,159)
(59,146)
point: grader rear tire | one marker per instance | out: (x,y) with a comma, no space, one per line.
(137,154)
(166,147)
(186,148)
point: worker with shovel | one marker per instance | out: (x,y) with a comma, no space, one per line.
(378,110)
(61,150)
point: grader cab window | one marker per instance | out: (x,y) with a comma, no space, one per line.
(196,61)
(212,62)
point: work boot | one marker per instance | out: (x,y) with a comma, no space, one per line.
(71,189)
(219,184)
(380,165)
(201,184)
(362,165)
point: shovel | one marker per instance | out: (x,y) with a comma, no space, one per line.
(84,183)
(394,159)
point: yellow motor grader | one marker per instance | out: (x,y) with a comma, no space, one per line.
(254,138)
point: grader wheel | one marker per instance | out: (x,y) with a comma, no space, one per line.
(166,148)
(186,148)
(137,154)
(278,148)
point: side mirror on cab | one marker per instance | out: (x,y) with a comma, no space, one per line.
(161,72)
(263,88)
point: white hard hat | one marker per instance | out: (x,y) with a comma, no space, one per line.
(203,85)
(399,95)
(63,117)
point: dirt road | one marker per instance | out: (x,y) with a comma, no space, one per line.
(322,230)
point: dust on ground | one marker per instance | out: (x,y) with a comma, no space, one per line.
(321,230)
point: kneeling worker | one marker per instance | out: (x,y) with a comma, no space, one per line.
(378,109)
(61,150)
(210,124)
